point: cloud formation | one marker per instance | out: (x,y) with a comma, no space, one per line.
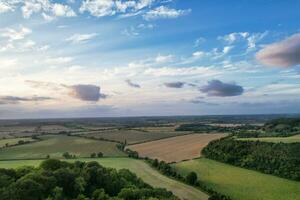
(285,53)
(163,12)
(177,84)
(131,84)
(101,8)
(86,92)
(220,89)
(16,99)
(47,9)
(81,38)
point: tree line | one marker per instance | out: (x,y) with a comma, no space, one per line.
(191,178)
(280,159)
(59,180)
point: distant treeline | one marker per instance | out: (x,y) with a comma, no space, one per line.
(206,128)
(57,180)
(282,127)
(280,159)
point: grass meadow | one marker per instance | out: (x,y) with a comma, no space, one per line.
(239,183)
(56,145)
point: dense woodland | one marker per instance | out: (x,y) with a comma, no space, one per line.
(280,159)
(58,180)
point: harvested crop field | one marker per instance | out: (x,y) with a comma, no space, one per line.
(133,136)
(176,149)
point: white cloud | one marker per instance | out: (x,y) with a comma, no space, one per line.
(227,49)
(101,8)
(233,37)
(164,59)
(14,34)
(81,38)
(164,12)
(250,38)
(60,10)
(5,7)
(199,54)
(29,7)
(58,60)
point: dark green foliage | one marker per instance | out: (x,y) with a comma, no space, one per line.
(280,159)
(57,180)
(217,196)
(93,155)
(67,155)
(199,128)
(191,178)
(99,154)
(132,154)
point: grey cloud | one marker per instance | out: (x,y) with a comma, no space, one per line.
(86,92)
(196,101)
(16,99)
(175,84)
(131,84)
(285,53)
(220,89)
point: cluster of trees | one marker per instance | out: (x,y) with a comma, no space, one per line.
(280,159)
(58,180)
(97,155)
(67,155)
(191,178)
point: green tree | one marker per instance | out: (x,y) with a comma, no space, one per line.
(99,194)
(191,178)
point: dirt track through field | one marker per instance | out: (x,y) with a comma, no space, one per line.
(177,148)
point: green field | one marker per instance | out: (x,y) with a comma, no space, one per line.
(138,135)
(56,145)
(139,167)
(13,141)
(295,138)
(239,183)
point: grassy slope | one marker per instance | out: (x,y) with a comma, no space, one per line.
(13,141)
(239,183)
(139,167)
(56,145)
(295,138)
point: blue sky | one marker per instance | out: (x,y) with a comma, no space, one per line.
(89,58)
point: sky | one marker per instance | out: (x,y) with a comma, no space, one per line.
(111,58)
